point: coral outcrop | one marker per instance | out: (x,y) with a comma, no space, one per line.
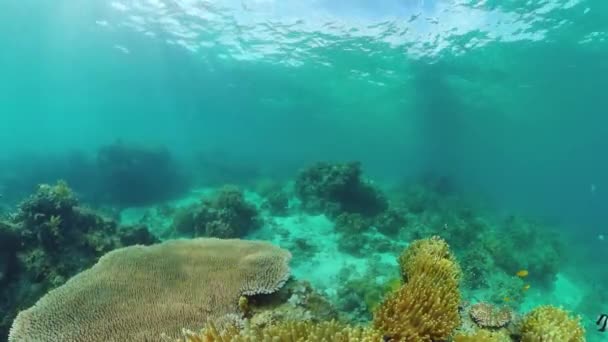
(225,215)
(49,239)
(482,336)
(434,248)
(548,323)
(289,331)
(141,293)
(390,222)
(336,188)
(487,315)
(426,307)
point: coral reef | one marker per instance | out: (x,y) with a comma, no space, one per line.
(49,239)
(358,297)
(477,266)
(390,222)
(483,336)
(288,331)
(136,175)
(277,203)
(139,293)
(9,244)
(540,245)
(336,188)
(433,247)
(491,248)
(487,315)
(426,306)
(225,215)
(548,323)
(296,301)
(351,223)
(275,196)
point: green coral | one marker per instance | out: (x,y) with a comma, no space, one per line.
(390,222)
(49,239)
(334,188)
(225,215)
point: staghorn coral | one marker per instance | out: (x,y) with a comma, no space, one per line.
(487,315)
(137,293)
(426,306)
(549,323)
(288,331)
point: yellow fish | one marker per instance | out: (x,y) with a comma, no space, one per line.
(522,273)
(506,299)
(526,287)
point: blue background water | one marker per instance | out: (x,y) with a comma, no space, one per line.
(510,101)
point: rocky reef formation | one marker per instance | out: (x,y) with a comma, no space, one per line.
(48,239)
(336,188)
(226,214)
(251,303)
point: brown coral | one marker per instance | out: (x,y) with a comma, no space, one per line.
(487,315)
(426,307)
(289,331)
(137,293)
(434,247)
(483,336)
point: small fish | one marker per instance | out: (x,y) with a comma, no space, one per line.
(593,188)
(601,237)
(526,287)
(506,299)
(522,273)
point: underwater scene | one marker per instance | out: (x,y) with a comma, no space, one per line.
(304,170)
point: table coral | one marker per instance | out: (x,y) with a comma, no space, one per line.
(138,293)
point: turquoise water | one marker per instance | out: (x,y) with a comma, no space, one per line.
(507,101)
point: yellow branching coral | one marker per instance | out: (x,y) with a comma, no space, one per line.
(434,247)
(483,336)
(138,293)
(425,308)
(288,331)
(548,323)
